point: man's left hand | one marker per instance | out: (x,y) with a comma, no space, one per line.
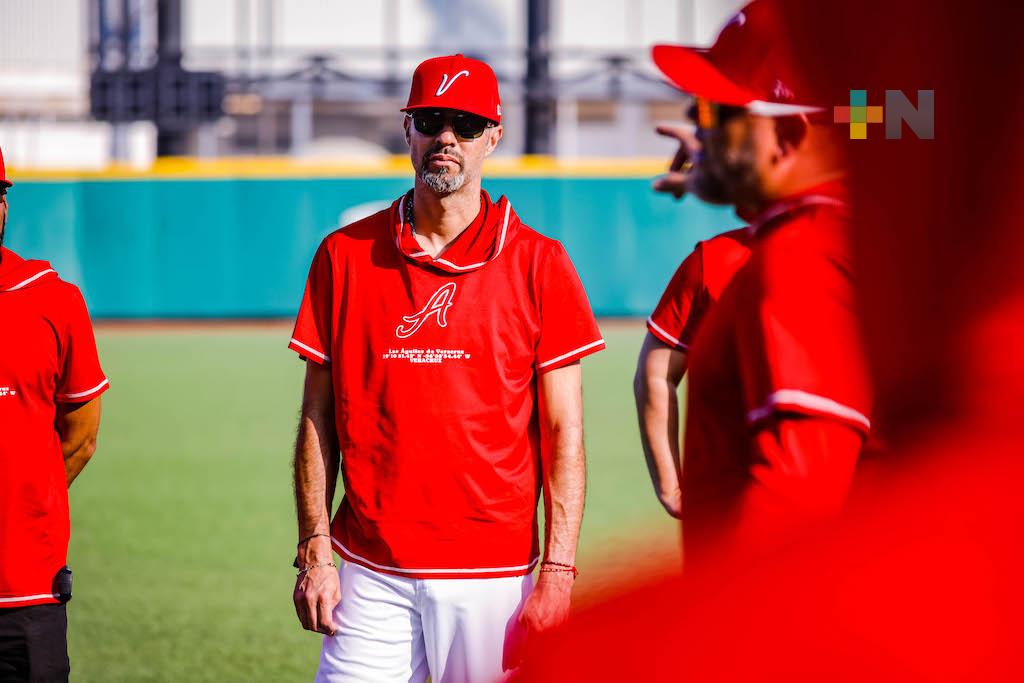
(546,608)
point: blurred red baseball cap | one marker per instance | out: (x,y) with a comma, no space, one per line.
(3,172)
(749,66)
(455,82)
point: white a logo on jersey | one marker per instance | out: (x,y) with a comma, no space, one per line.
(438,305)
(445,83)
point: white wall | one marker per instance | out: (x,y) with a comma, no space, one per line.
(42,55)
(44,63)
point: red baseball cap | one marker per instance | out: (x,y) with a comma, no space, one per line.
(748,66)
(455,82)
(3,172)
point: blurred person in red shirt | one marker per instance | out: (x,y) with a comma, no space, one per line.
(919,578)
(694,288)
(50,386)
(778,403)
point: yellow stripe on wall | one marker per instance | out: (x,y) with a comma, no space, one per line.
(393,166)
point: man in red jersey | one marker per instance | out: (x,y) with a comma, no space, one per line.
(696,286)
(50,383)
(778,399)
(442,339)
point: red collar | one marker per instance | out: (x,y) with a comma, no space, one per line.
(494,227)
(17,273)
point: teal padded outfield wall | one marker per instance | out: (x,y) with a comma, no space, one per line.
(229,248)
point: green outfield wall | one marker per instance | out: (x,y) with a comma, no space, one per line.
(155,247)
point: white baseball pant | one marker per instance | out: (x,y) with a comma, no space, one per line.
(397,629)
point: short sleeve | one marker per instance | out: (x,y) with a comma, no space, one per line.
(314,326)
(81,377)
(682,305)
(800,347)
(568,330)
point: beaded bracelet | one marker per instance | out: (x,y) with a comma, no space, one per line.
(559,567)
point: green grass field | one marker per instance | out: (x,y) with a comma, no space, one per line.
(183,527)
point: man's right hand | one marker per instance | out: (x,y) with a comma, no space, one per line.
(674,182)
(317,591)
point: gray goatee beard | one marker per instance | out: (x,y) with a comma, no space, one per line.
(442,181)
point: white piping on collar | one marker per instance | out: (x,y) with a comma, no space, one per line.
(784,207)
(401,223)
(25,283)
(501,239)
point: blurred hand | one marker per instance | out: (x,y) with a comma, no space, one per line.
(546,608)
(672,501)
(317,592)
(674,182)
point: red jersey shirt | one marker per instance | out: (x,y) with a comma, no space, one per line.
(697,284)
(435,365)
(47,356)
(783,340)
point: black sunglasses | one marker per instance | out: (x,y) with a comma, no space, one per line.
(466,126)
(707,114)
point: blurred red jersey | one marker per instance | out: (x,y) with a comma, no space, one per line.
(783,341)
(435,365)
(47,357)
(698,283)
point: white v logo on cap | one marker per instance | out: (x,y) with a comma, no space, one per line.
(445,83)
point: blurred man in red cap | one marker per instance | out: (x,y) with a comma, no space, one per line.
(779,402)
(442,338)
(50,384)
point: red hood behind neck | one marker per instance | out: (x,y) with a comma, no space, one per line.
(482,242)
(17,273)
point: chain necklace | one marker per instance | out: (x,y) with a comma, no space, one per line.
(408,212)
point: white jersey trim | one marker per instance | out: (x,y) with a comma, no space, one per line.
(401,570)
(501,245)
(32,279)
(306,347)
(23,598)
(80,394)
(666,335)
(581,349)
(501,239)
(401,223)
(804,399)
(784,207)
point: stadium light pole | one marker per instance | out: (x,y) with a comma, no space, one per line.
(170,141)
(540,110)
